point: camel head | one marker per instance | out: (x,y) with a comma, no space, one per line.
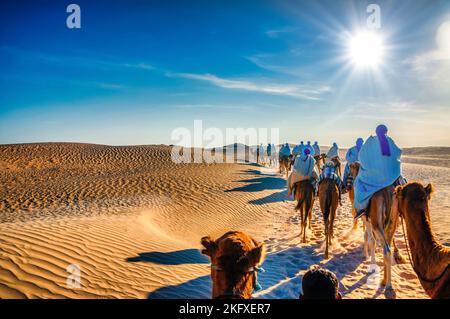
(235,258)
(354,168)
(413,198)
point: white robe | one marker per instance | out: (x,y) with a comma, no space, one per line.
(377,171)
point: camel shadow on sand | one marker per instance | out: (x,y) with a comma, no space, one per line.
(272,198)
(198,288)
(282,277)
(179,257)
(259,184)
(254,172)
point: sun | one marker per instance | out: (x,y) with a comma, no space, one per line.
(365,50)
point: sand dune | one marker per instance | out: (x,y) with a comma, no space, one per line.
(131,220)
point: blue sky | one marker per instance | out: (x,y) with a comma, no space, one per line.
(136,70)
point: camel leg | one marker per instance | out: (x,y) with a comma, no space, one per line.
(369,241)
(326,239)
(301,222)
(310,217)
(304,229)
(397,256)
(355,221)
(304,221)
(331,223)
(389,291)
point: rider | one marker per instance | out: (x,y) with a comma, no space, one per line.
(316,149)
(333,152)
(351,157)
(269,153)
(380,167)
(285,151)
(261,153)
(257,154)
(311,149)
(273,150)
(304,169)
(269,150)
(298,149)
(329,171)
(301,148)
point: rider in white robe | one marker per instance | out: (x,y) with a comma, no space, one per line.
(380,167)
(304,169)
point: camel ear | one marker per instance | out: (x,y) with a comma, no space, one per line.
(210,246)
(254,257)
(429,189)
(398,191)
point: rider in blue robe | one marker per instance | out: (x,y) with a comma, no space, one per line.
(333,152)
(351,157)
(316,148)
(311,149)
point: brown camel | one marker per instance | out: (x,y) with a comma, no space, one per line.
(337,164)
(285,163)
(235,258)
(320,160)
(304,194)
(430,259)
(329,200)
(369,241)
(381,222)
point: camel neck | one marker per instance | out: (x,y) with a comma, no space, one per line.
(425,249)
(420,237)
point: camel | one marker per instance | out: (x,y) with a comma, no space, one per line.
(285,163)
(304,194)
(380,223)
(329,200)
(337,164)
(430,259)
(319,160)
(369,241)
(235,258)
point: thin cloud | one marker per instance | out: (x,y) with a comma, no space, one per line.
(109,86)
(72,60)
(142,66)
(303,92)
(275,33)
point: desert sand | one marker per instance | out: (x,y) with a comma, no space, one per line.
(131,220)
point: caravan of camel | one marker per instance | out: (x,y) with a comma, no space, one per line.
(381,199)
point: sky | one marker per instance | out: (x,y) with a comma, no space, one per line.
(137,70)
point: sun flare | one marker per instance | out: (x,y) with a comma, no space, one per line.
(365,50)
